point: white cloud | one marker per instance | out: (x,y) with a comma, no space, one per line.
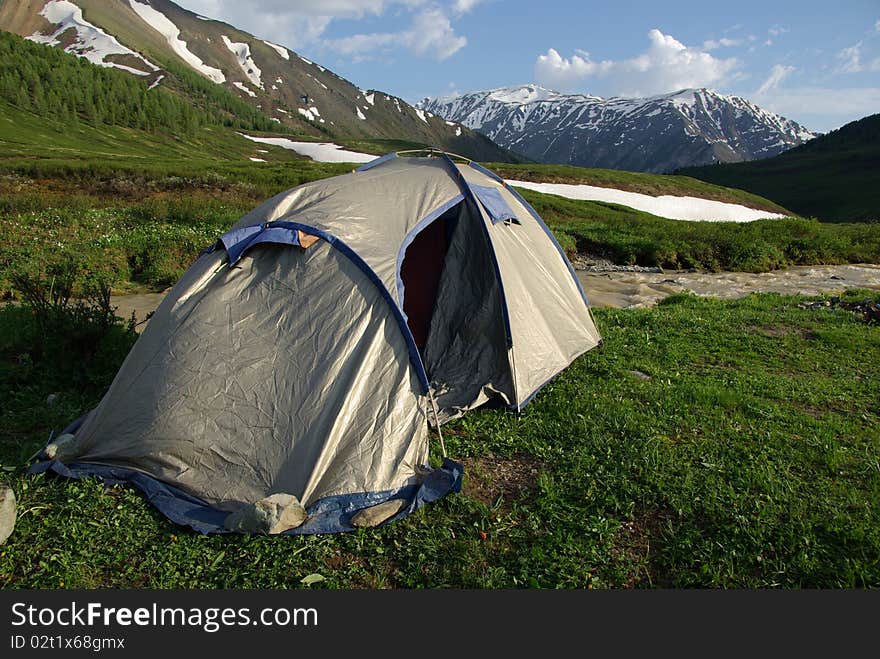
(304,23)
(851,61)
(667,65)
(776,31)
(777,74)
(822,108)
(431,34)
(464,6)
(724,42)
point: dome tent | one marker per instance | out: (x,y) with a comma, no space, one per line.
(306,353)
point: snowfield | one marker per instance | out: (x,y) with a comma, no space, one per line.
(317,151)
(242,52)
(668,206)
(159,22)
(91,42)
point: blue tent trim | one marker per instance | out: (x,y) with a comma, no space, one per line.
(238,241)
(494,204)
(328,515)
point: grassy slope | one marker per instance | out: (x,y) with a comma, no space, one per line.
(749,459)
(835,177)
(628,236)
(650,184)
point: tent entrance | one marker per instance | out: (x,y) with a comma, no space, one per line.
(420,273)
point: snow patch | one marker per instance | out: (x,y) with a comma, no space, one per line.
(92,42)
(244,88)
(360,114)
(317,151)
(674,208)
(370,98)
(242,52)
(281,50)
(156,82)
(252,159)
(421,114)
(159,22)
(458,131)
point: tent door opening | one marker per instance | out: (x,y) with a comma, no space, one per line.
(420,273)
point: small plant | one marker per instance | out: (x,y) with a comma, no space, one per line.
(71,313)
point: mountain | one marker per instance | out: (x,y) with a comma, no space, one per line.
(165,45)
(657,134)
(835,177)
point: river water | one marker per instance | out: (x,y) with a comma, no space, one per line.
(628,290)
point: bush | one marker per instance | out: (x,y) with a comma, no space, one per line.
(72,336)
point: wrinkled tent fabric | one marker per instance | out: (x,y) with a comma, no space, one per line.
(282,361)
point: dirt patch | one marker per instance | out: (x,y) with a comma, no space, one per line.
(633,549)
(500,481)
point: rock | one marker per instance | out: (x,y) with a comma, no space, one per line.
(284,512)
(7,512)
(375,515)
(639,375)
(51,399)
(275,514)
(64,449)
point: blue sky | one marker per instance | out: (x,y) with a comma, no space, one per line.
(815,62)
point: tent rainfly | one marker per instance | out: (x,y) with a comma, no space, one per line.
(287,382)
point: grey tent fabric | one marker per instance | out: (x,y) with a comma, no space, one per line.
(282,362)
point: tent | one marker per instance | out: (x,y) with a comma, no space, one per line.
(303,357)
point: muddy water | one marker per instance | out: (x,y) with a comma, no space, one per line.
(644,289)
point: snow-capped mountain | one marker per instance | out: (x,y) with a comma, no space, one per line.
(656,134)
(159,41)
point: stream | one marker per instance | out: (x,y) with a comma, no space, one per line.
(627,289)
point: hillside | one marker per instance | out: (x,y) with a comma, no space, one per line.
(166,46)
(835,177)
(656,134)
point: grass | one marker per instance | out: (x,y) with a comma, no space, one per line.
(748,459)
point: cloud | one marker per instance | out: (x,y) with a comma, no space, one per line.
(776,31)
(304,23)
(828,107)
(667,65)
(431,34)
(777,74)
(464,6)
(724,42)
(851,59)
(877,26)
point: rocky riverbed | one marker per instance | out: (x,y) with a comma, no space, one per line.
(610,285)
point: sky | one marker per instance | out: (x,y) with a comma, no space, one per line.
(815,62)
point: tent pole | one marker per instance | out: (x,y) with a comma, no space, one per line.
(437,420)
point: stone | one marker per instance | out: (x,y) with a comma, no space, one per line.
(274,514)
(375,515)
(283,511)
(7,512)
(64,449)
(51,399)
(638,375)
